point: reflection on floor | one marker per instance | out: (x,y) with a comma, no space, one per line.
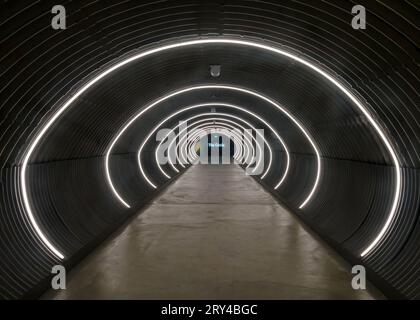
(213,234)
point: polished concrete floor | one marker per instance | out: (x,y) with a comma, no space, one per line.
(213,234)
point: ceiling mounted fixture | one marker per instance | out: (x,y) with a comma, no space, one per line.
(215,70)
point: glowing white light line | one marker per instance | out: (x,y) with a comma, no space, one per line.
(157,161)
(217,129)
(270,151)
(236,107)
(248,155)
(108,174)
(224,114)
(198,130)
(208,130)
(197,136)
(297,123)
(237,151)
(34,223)
(214,104)
(206,119)
(231,137)
(209,126)
(175,114)
(239,137)
(218,40)
(169,154)
(208,104)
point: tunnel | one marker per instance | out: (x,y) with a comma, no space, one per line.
(328,113)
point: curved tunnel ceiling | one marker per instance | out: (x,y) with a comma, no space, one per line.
(228,106)
(220,41)
(350,109)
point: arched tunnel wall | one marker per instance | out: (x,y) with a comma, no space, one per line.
(42,68)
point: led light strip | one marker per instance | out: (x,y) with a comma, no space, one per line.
(248,143)
(197,131)
(170,162)
(242,151)
(206,119)
(226,132)
(206,125)
(192,144)
(217,40)
(169,155)
(229,135)
(252,147)
(247,157)
(210,130)
(210,125)
(239,153)
(151,133)
(237,135)
(226,120)
(182,141)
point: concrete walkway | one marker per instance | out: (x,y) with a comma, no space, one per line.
(213,234)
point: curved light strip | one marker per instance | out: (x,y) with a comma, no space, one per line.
(243,157)
(211,104)
(210,130)
(199,121)
(248,143)
(238,150)
(226,115)
(218,40)
(108,175)
(206,131)
(221,131)
(207,105)
(169,156)
(232,132)
(229,135)
(210,124)
(240,144)
(197,131)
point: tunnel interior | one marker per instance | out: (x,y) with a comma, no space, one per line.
(82,110)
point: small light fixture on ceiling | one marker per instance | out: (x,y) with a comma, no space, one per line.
(215,70)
